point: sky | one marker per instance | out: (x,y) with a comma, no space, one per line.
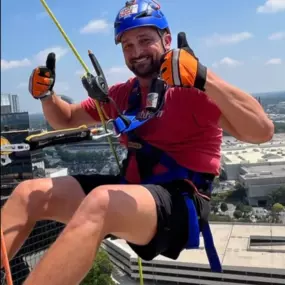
(243,41)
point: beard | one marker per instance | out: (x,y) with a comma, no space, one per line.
(145,69)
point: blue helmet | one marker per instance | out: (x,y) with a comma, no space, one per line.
(139,13)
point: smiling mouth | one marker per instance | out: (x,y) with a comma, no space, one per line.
(141,60)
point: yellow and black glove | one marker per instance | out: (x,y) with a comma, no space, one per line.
(180,67)
(42,78)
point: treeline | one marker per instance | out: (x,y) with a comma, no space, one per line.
(279,128)
(243,211)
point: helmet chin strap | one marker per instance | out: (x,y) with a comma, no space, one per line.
(160,33)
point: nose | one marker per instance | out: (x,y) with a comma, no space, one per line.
(137,51)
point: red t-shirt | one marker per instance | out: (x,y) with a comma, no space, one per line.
(186,128)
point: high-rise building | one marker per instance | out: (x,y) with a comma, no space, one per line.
(15,103)
(9,103)
(5,104)
(15,121)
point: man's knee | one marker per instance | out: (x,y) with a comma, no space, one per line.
(31,194)
(95,205)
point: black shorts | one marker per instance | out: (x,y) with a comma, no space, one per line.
(172,224)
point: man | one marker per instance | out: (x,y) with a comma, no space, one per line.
(151,217)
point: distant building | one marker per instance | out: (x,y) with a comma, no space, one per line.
(259,168)
(15,121)
(15,103)
(233,160)
(260,181)
(6,106)
(249,253)
(9,103)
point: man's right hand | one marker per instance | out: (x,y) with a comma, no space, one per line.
(42,78)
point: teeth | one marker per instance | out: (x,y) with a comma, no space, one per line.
(141,59)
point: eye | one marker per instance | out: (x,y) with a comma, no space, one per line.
(127,46)
(145,41)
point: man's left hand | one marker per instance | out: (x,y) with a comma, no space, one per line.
(180,67)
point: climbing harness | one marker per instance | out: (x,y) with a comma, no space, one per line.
(148,156)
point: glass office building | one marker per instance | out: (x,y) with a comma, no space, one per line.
(15,121)
(10,103)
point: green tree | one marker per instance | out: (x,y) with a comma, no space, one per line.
(238,194)
(279,127)
(215,209)
(277,196)
(247,210)
(216,182)
(224,207)
(275,212)
(217,218)
(237,214)
(100,273)
(277,208)
(240,207)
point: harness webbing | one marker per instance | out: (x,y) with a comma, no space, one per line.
(148,156)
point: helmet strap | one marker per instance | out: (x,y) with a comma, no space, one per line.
(160,33)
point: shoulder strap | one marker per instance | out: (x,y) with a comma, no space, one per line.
(134,101)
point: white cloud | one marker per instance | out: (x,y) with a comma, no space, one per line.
(277,36)
(274,61)
(272,6)
(95,26)
(218,39)
(227,61)
(10,64)
(40,57)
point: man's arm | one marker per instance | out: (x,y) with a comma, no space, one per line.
(62,115)
(242,116)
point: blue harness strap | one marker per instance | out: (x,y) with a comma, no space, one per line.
(148,156)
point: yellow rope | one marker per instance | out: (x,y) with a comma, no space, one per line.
(87,70)
(95,101)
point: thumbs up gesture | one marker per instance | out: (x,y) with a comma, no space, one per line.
(42,78)
(180,67)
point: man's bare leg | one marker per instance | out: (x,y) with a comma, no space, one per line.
(40,199)
(127,211)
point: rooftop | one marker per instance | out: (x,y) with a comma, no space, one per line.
(233,244)
(233,143)
(264,171)
(254,154)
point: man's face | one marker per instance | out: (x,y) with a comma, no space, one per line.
(143,49)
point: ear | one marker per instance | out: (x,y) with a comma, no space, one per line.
(167,39)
